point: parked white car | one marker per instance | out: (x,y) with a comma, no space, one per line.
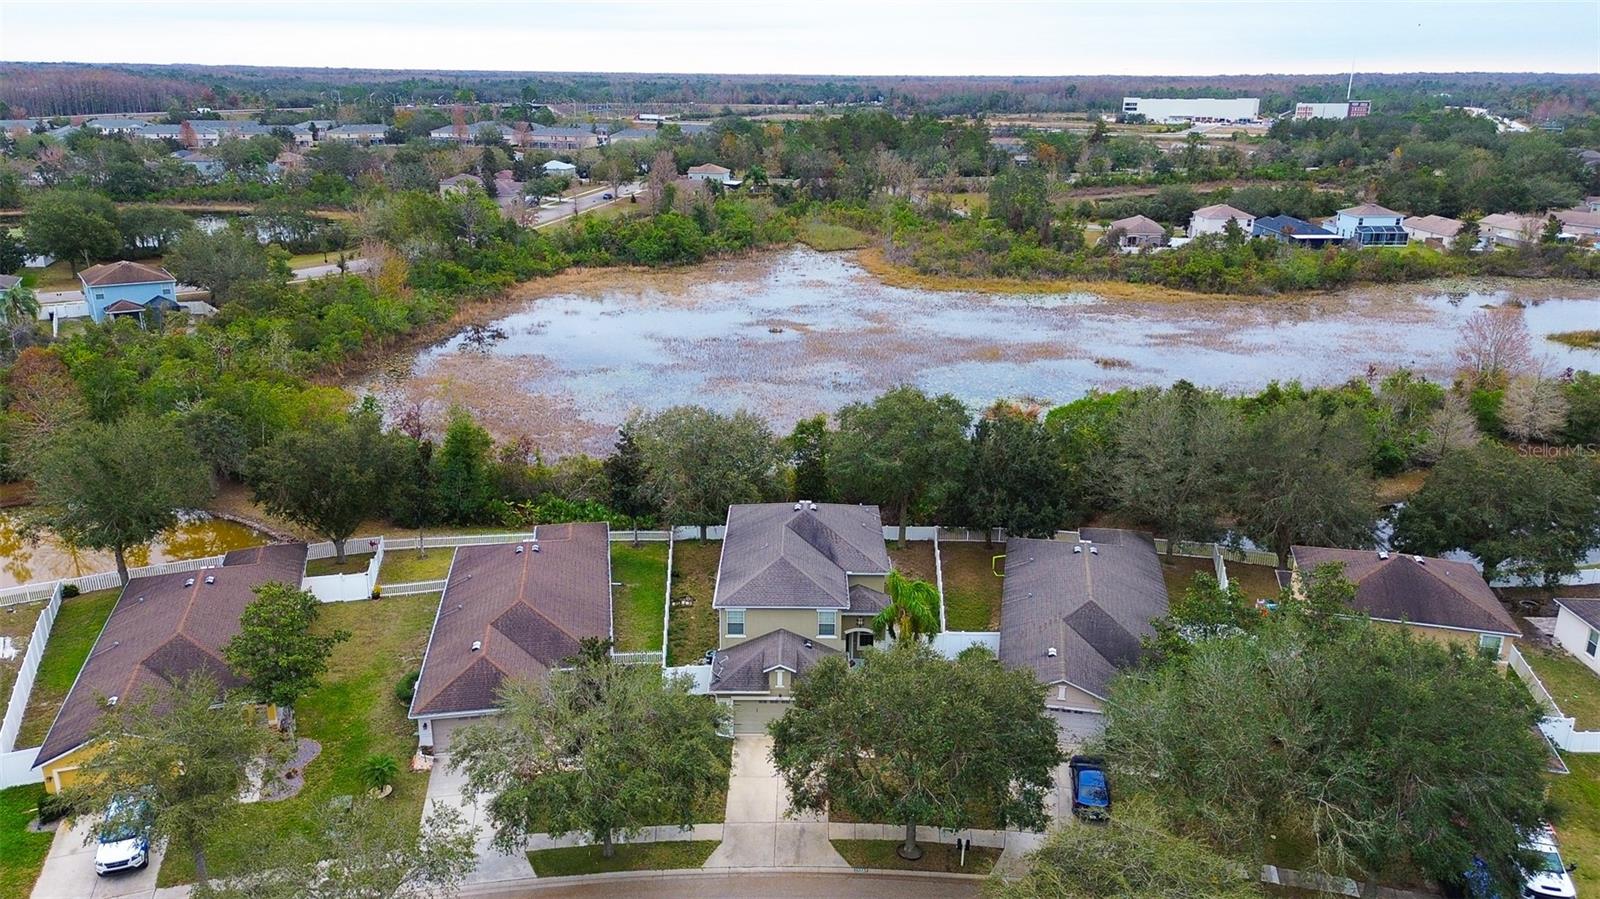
(125,846)
(1553,880)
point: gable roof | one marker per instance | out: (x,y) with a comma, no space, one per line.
(1438,592)
(163,628)
(743,667)
(1138,224)
(709,168)
(1587,610)
(1090,602)
(124,272)
(9,281)
(1577,218)
(525,606)
(1366,209)
(1442,225)
(1220,211)
(782,555)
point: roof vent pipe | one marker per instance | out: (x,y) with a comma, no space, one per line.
(1051,652)
(211,579)
(1420,560)
(1383,554)
(189,582)
(477,645)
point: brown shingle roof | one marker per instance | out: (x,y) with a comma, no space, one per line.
(1443,226)
(1587,610)
(709,168)
(123,272)
(9,281)
(777,556)
(1091,605)
(743,667)
(526,610)
(164,628)
(1437,592)
(1138,224)
(1366,209)
(1221,211)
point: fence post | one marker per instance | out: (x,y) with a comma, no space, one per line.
(938,574)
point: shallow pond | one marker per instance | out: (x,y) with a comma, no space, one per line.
(794,333)
(197,535)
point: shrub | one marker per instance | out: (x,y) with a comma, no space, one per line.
(69,590)
(52,808)
(407,687)
(379,771)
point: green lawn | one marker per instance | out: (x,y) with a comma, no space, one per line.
(352,564)
(1575,688)
(77,626)
(404,566)
(17,622)
(22,852)
(693,626)
(637,604)
(628,857)
(1576,798)
(939,857)
(1257,581)
(971,590)
(1179,573)
(353,714)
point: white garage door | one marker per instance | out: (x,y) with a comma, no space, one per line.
(752,716)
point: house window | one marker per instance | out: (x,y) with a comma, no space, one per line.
(736,622)
(1594,642)
(1490,643)
(777,678)
(827,623)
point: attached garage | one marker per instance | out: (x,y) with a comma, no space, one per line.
(751,716)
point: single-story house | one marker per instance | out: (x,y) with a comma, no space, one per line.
(162,629)
(1214,220)
(1439,599)
(555,168)
(510,611)
(1580,223)
(356,133)
(1290,230)
(1371,225)
(710,171)
(127,288)
(1578,629)
(1075,612)
(205,166)
(1510,229)
(1139,231)
(457,184)
(796,582)
(1433,230)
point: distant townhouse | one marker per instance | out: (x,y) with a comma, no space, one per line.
(1214,220)
(710,171)
(1137,232)
(1510,229)
(510,611)
(115,125)
(1297,232)
(797,583)
(1439,599)
(1433,230)
(562,139)
(356,133)
(119,289)
(1075,612)
(1371,225)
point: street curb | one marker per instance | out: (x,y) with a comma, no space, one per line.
(622,876)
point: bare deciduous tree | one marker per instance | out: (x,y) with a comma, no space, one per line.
(1452,426)
(663,171)
(1495,344)
(1534,408)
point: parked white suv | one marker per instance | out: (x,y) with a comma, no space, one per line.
(1552,880)
(124,843)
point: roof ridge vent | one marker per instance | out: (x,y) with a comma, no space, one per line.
(1383,554)
(519,549)
(1077,550)
(211,579)
(1094,550)
(1051,652)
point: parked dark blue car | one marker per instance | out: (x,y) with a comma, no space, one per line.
(1091,790)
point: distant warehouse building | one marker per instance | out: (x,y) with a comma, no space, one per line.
(1200,109)
(1345,109)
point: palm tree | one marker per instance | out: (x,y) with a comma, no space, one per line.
(913,609)
(19,309)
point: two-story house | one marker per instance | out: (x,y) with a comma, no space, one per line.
(1214,220)
(128,289)
(797,583)
(1371,225)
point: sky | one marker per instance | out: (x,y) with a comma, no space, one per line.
(816,37)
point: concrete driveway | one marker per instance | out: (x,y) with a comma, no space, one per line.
(444,787)
(757,832)
(69,870)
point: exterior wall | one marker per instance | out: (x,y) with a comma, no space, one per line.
(99,298)
(63,772)
(762,621)
(1469,639)
(871,581)
(1346,225)
(1572,633)
(1067,696)
(1200,109)
(1199,226)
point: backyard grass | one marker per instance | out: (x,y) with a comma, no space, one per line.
(971,590)
(1575,688)
(77,626)
(1179,572)
(937,857)
(637,604)
(1257,581)
(915,561)
(828,237)
(353,564)
(22,852)
(55,276)
(1576,798)
(353,714)
(693,626)
(16,622)
(405,566)
(575,860)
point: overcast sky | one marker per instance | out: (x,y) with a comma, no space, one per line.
(862,37)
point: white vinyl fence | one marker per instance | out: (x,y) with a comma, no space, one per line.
(16,766)
(344,587)
(1559,728)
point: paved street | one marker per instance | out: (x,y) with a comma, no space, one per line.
(590,199)
(749,885)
